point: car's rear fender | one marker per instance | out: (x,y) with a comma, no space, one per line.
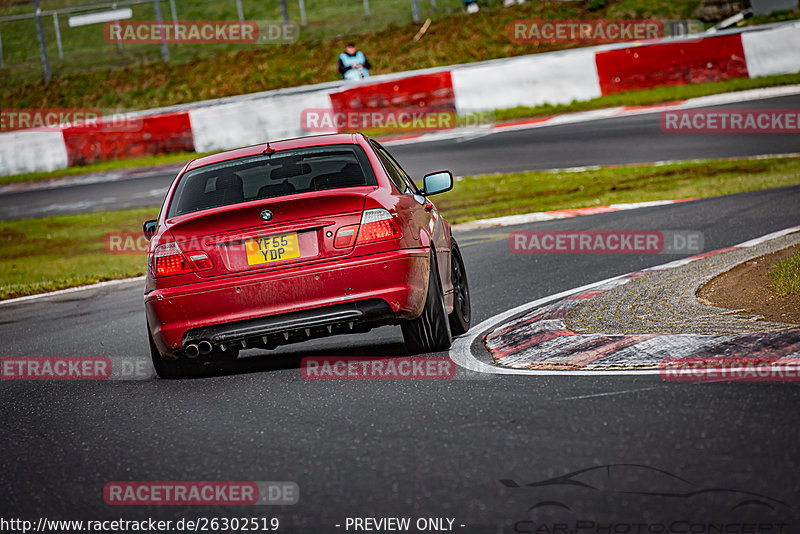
(397,277)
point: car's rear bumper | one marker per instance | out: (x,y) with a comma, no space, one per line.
(245,307)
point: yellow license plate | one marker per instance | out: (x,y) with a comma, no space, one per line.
(272,248)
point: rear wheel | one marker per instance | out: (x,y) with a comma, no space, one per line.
(430,332)
(461,317)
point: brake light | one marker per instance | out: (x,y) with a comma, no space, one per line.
(169,260)
(377,225)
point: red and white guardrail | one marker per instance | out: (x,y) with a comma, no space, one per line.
(553,77)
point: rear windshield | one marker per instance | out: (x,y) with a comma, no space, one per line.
(266,176)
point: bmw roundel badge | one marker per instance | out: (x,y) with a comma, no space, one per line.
(266,215)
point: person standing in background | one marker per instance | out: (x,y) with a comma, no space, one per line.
(353,64)
(472,5)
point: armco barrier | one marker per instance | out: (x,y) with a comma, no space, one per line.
(712,59)
(238,124)
(772,52)
(23,151)
(158,134)
(429,91)
(553,77)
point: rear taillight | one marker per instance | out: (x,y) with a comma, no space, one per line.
(169,260)
(377,225)
(200,261)
(346,236)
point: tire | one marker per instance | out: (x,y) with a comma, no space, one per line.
(461,318)
(430,332)
(166,368)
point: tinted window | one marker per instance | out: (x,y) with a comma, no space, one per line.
(267,176)
(395,171)
(391,171)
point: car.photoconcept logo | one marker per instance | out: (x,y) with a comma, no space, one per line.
(612,498)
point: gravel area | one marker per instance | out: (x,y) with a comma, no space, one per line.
(665,302)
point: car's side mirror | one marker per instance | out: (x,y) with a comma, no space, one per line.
(437,182)
(149,228)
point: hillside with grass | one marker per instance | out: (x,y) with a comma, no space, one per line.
(198,73)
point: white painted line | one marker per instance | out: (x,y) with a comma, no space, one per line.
(773,235)
(461,351)
(73,290)
(634,205)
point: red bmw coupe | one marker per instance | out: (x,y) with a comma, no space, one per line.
(284,242)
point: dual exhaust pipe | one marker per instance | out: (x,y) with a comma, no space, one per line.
(204,347)
(193,350)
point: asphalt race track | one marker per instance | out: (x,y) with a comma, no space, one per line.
(629,139)
(660,456)
(415,448)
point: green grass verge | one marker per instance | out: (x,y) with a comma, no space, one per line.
(38,255)
(493,195)
(785,276)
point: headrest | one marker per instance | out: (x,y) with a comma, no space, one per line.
(289,170)
(230,181)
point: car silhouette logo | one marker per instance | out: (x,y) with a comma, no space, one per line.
(266,215)
(628,482)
